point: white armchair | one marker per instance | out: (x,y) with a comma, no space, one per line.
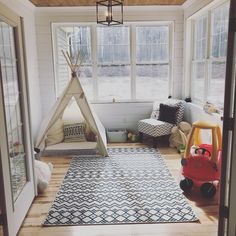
(163,118)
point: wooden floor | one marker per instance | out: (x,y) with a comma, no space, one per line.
(206,210)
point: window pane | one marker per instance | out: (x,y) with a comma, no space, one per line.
(86,80)
(79,41)
(113,57)
(200,38)
(216,83)
(113,45)
(152,43)
(152,79)
(114,82)
(219,31)
(152,82)
(198,82)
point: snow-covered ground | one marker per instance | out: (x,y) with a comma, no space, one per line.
(119,88)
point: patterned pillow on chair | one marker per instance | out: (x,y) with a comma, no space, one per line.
(74,132)
(181,105)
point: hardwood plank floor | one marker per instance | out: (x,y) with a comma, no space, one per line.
(206,210)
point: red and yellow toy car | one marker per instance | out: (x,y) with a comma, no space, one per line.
(201,165)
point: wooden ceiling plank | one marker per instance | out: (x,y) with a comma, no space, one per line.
(66,3)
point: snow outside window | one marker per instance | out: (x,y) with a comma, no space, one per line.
(152,62)
(121,63)
(113,58)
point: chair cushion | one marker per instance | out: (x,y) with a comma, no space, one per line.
(168,113)
(154,128)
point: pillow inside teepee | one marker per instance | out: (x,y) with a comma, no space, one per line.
(74,132)
(55,134)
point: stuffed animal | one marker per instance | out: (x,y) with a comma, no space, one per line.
(178,137)
(43,173)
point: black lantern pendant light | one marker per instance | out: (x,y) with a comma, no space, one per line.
(109,12)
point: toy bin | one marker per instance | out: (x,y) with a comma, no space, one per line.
(117,135)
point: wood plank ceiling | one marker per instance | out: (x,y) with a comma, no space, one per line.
(68,3)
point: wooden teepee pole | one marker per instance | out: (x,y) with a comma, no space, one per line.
(77,58)
(74,67)
(67,60)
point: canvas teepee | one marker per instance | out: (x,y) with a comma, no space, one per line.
(74,89)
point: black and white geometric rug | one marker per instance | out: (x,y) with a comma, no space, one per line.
(132,185)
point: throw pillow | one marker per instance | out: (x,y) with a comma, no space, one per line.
(167,113)
(55,133)
(74,132)
(179,103)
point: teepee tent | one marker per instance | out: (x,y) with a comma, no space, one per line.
(74,89)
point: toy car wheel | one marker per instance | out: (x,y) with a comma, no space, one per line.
(186,184)
(208,190)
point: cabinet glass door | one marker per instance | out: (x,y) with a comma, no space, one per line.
(17,188)
(12,107)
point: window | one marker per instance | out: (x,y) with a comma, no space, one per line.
(209,56)
(217,65)
(74,39)
(121,63)
(113,58)
(200,56)
(152,62)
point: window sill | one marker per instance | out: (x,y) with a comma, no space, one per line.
(119,102)
(214,114)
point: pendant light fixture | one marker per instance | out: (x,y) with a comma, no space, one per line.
(109,12)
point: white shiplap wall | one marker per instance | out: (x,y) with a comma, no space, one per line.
(122,115)
(112,115)
(26,10)
(62,73)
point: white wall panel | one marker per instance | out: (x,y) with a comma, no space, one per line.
(122,115)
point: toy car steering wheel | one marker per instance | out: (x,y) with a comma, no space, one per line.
(203,151)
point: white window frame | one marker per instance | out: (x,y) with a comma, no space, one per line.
(170,25)
(203,60)
(132,26)
(94,47)
(209,59)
